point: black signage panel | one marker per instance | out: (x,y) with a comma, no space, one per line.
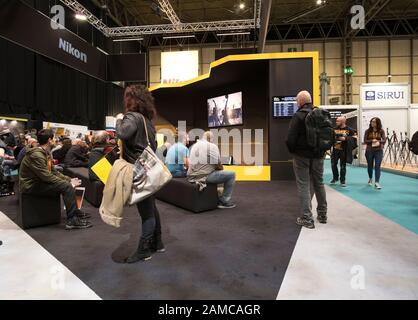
(29,28)
(127,67)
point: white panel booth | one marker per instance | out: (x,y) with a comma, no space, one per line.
(391,103)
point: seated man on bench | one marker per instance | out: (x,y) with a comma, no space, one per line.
(177,159)
(205,167)
(39,177)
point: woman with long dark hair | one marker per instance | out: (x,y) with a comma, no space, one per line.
(375,139)
(139,101)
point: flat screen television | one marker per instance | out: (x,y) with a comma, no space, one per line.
(284,106)
(225,111)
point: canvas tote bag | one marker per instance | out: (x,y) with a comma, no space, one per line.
(149,173)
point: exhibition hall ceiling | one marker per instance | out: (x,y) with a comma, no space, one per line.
(149,12)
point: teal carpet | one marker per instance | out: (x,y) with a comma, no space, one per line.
(397,200)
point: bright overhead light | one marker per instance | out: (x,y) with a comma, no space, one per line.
(319,2)
(2,121)
(232,34)
(81,17)
(128,39)
(178,37)
(242,5)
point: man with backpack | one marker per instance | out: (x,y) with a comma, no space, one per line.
(310,136)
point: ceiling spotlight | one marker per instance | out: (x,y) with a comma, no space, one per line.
(319,2)
(2,121)
(81,17)
(242,5)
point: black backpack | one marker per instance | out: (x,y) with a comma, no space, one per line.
(413,145)
(319,130)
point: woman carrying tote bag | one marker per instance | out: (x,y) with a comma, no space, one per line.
(131,131)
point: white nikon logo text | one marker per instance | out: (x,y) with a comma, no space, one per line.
(68,47)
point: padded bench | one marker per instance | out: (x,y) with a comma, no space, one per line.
(37,211)
(94,189)
(186,195)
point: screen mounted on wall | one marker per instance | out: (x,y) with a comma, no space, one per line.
(225,110)
(284,106)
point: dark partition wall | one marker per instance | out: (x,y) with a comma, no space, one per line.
(17,85)
(49,91)
(287,78)
(190,103)
(254,109)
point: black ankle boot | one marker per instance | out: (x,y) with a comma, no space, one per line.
(143,253)
(157,244)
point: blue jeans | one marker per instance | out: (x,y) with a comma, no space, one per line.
(227,178)
(179,174)
(374,158)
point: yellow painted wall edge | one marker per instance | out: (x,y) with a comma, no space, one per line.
(13,119)
(314,55)
(250,173)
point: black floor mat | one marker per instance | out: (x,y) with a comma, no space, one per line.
(240,253)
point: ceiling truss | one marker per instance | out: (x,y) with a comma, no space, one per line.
(176,27)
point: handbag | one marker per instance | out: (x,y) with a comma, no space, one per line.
(149,173)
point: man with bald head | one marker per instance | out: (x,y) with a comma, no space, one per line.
(340,150)
(308,165)
(205,167)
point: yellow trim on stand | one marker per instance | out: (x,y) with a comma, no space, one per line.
(251,173)
(251,57)
(13,119)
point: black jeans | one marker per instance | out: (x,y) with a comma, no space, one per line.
(339,155)
(151,223)
(64,189)
(374,158)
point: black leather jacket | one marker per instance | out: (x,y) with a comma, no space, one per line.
(132,133)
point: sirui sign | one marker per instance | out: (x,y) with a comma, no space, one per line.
(385,95)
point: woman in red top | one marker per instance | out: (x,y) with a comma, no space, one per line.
(375,139)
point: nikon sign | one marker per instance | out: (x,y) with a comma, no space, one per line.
(68,47)
(58,44)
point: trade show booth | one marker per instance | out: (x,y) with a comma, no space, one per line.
(256,94)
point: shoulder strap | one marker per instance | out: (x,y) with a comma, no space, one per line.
(146,129)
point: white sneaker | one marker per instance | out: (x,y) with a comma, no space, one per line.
(377,185)
(370,182)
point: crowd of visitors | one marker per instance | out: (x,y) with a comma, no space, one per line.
(40,158)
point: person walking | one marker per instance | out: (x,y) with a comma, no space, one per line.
(139,103)
(374,139)
(308,164)
(341,150)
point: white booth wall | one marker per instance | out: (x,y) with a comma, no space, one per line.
(388,101)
